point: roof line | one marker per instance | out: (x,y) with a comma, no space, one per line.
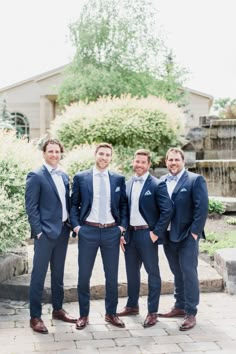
(35,78)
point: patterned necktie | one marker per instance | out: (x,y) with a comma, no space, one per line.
(170,178)
(138,179)
(102,198)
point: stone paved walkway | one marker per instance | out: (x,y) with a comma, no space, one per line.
(215,332)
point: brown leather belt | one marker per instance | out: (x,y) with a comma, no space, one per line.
(101,226)
(139,227)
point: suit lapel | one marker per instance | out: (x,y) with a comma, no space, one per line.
(66,184)
(179,184)
(90,183)
(129,186)
(112,185)
(145,187)
(50,180)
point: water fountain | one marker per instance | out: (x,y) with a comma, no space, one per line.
(214,144)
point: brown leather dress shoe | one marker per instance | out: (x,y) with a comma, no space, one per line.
(37,325)
(150,320)
(82,322)
(129,311)
(114,320)
(174,312)
(62,315)
(189,322)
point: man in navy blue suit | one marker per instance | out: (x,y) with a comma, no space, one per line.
(47,206)
(150,211)
(188,192)
(99,217)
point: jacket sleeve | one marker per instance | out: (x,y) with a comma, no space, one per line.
(200,205)
(32,201)
(166,209)
(75,203)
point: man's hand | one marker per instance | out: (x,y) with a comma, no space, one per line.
(154,237)
(122,243)
(122,229)
(195,236)
(76,229)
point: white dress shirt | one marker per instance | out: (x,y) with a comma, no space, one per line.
(172,184)
(136,218)
(94,214)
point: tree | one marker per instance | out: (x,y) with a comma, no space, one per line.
(225,107)
(118,50)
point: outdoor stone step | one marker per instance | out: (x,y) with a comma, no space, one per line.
(18,287)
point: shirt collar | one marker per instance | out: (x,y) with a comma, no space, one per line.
(97,172)
(179,175)
(145,176)
(50,168)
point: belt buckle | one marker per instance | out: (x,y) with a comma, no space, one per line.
(102,226)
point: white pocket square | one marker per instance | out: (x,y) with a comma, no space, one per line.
(183,190)
(117,189)
(148,193)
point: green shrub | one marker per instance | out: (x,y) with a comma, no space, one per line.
(216,206)
(150,123)
(17,158)
(82,158)
(13,222)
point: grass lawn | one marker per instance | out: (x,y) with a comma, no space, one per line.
(215,241)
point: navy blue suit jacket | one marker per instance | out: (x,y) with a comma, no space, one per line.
(155,206)
(43,204)
(190,198)
(82,198)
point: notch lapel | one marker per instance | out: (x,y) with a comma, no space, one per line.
(145,187)
(179,184)
(90,184)
(50,180)
(112,185)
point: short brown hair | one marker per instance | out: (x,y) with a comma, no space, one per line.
(176,151)
(54,142)
(103,145)
(143,152)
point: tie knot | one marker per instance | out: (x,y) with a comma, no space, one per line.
(56,171)
(138,179)
(172,178)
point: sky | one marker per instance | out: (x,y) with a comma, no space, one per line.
(34,38)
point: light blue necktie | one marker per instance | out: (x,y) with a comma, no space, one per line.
(102,198)
(170,178)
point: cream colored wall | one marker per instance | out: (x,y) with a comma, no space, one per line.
(29,99)
(198,106)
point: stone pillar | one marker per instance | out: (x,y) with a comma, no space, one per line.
(47,114)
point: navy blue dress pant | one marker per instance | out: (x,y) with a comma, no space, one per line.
(92,238)
(183,261)
(141,250)
(48,251)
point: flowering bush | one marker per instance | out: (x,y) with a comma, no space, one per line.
(150,123)
(17,158)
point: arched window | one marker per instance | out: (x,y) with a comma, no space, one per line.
(20,123)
